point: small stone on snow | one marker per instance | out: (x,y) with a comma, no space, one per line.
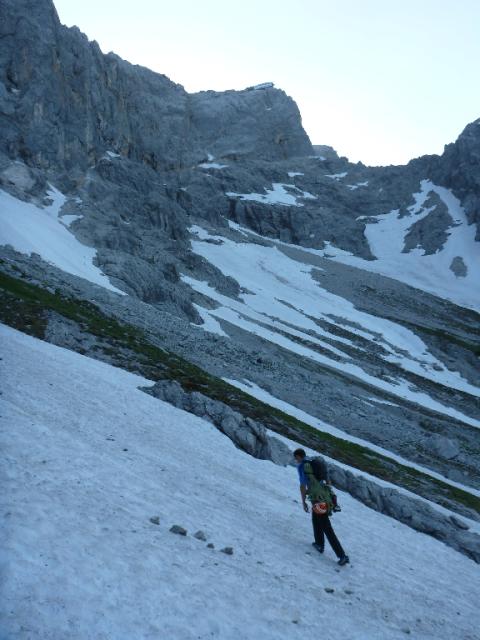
(227,550)
(200,535)
(178,530)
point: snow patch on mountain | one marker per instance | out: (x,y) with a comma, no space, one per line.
(353,187)
(433,273)
(336,176)
(212,165)
(210,324)
(31,229)
(277,195)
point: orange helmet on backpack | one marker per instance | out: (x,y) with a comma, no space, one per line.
(320,508)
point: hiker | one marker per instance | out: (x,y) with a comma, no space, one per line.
(313,475)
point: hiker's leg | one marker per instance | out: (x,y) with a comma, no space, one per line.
(334,496)
(317,530)
(336,506)
(331,537)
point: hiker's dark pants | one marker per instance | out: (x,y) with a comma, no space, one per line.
(323,527)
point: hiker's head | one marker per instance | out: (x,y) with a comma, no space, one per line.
(299,455)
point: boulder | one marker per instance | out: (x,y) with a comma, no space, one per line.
(443,446)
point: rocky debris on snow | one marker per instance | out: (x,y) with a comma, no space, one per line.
(227,550)
(200,535)
(329,590)
(176,528)
(404,431)
(210,545)
(155,520)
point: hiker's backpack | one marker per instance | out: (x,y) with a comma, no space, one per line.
(319,469)
(320,492)
(322,500)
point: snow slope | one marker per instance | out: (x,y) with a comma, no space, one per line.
(257,392)
(30,229)
(88,459)
(281,306)
(386,235)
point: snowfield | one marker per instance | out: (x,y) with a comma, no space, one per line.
(31,229)
(257,392)
(386,235)
(88,459)
(281,306)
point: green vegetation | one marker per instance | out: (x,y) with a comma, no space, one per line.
(26,307)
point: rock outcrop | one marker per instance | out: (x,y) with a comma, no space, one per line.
(64,104)
(458,169)
(245,433)
(417,514)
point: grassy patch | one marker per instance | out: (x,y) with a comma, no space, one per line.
(25,307)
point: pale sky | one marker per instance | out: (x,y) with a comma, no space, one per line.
(382,81)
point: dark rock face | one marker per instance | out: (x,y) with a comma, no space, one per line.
(458,267)
(69,103)
(264,124)
(430,233)
(128,142)
(458,169)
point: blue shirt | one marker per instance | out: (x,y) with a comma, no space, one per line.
(301,473)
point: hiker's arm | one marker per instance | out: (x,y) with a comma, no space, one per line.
(303,486)
(303,493)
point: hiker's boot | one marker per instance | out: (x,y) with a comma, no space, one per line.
(343,560)
(318,547)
